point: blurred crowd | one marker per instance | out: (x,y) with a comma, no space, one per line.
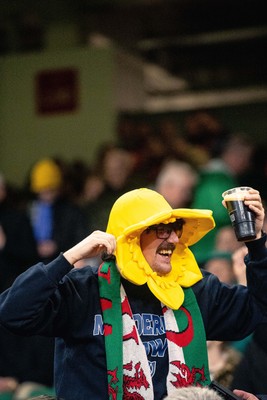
(60,202)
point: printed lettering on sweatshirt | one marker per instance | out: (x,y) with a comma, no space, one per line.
(147,325)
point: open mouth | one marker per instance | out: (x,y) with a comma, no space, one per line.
(165,252)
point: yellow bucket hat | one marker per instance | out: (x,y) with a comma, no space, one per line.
(135,211)
(45,175)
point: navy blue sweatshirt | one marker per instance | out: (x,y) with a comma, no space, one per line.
(60,301)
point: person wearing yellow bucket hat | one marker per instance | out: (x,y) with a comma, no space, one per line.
(135,327)
(57,222)
(45,175)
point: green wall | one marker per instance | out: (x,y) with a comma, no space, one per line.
(25,136)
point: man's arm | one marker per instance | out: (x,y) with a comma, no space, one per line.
(39,298)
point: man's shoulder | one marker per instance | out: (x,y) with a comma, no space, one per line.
(206,285)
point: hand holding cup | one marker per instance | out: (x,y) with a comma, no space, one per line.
(246,212)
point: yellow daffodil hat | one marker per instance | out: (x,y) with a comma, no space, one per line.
(134,212)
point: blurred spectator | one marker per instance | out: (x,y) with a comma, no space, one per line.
(205,132)
(57,222)
(74,174)
(92,188)
(227,263)
(239,270)
(220,174)
(179,145)
(220,264)
(176,181)
(147,147)
(17,244)
(224,357)
(114,167)
(225,240)
(223,361)
(239,267)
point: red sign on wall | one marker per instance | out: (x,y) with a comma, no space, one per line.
(57,91)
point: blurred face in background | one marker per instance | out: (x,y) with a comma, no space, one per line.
(48,195)
(117,167)
(222,268)
(176,182)
(225,240)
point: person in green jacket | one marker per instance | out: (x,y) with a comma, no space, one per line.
(219,174)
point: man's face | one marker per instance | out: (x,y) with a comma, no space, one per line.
(158,244)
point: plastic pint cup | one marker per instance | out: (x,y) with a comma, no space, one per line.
(241,217)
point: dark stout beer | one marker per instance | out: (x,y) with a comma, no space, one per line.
(242,218)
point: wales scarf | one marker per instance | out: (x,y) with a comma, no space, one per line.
(127,365)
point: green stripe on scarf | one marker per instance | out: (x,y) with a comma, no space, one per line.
(109,286)
(196,352)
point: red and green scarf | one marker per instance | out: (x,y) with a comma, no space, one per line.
(127,365)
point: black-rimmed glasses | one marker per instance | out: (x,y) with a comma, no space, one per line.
(163,231)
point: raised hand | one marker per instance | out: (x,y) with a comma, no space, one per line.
(93,245)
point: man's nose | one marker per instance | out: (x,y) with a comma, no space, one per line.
(173,237)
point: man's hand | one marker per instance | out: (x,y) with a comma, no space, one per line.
(252,199)
(245,395)
(91,246)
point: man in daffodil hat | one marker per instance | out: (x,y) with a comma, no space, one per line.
(135,219)
(135,326)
